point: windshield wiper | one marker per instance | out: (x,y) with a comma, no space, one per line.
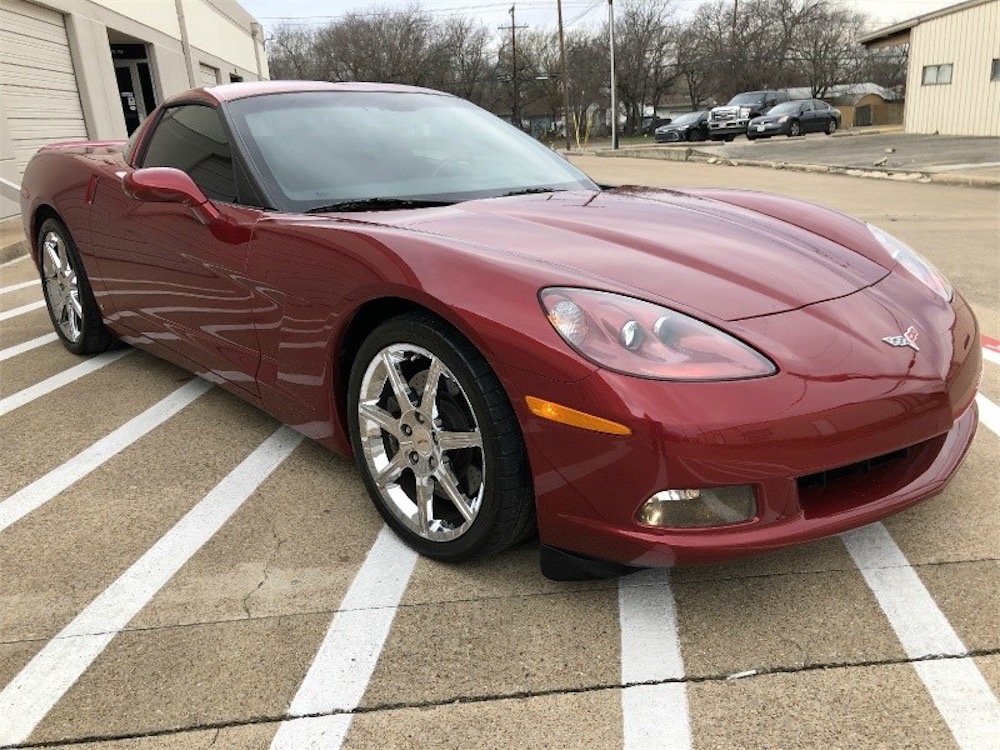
(532,191)
(376,204)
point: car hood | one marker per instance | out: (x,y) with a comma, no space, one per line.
(699,253)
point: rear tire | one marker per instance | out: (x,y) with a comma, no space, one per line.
(437,441)
(68,296)
(831,127)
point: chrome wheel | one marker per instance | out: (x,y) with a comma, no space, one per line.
(421,441)
(62,289)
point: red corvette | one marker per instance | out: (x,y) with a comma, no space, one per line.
(649,377)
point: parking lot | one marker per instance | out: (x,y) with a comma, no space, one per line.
(178,570)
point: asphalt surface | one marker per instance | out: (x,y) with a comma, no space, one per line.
(179,571)
(889,151)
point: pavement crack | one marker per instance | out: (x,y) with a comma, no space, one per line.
(724,677)
(266,572)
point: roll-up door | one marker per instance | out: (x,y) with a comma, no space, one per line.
(41,101)
(209,75)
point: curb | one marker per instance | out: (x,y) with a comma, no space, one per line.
(900,175)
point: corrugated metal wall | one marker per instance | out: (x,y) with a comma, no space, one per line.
(970,104)
(38,86)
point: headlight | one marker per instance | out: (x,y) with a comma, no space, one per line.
(915,263)
(634,337)
(783,118)
(744,111)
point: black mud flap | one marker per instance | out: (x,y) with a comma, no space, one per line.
(559,565)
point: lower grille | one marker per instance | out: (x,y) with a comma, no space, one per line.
(825,478)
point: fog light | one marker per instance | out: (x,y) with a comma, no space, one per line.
(716,506)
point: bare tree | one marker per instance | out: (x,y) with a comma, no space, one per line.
(644,55)
(826,51)
(291,53)
(463,65)
(750,44)
(886,67)
(378,45)
(587,59)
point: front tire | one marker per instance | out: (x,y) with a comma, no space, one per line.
(794,129)
(437,442)
(68,295)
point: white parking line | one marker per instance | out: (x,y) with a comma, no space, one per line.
(343,666)
(956,685)
(12,262)
(8,314)
(989,414)
(27,346)
(46,678)
(39,492)
(991,355)
(65,377)
(653,715)
(16,287)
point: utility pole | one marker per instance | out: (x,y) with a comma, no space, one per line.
(565,76)
(732,42)
(516,114)
(614,83)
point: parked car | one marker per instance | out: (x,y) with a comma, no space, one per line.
(651,377)
(795,118)
(692,126)
(650,124)
(730,120)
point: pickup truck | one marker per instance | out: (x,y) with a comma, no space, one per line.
(730,120)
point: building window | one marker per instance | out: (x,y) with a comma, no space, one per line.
(995,70)
(935,74)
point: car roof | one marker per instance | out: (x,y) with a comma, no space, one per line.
(228,92)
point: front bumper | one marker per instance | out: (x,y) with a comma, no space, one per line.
(727,127)
(803,440)
(757,130)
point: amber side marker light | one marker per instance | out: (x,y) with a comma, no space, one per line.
(564,415)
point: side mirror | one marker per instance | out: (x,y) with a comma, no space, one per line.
(169,185)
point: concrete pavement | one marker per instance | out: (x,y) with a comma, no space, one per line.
(790,650)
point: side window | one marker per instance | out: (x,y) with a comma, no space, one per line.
(191,138)
(806,107)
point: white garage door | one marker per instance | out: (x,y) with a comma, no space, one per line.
(37,84)
(209,76)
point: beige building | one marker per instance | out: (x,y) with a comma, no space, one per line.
(95,68)
(953,73)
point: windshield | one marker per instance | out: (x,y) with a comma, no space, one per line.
(750,97)
(785,108)
(318,149)
(686,119)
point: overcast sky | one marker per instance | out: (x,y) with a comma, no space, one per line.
(534,13)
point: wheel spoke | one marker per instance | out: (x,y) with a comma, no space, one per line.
(373,412)
(391,471)
(63,259)
(451,441)
(396,380)
(76,307)
(429,396)
(52,263)
(425,501)
(449,485)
